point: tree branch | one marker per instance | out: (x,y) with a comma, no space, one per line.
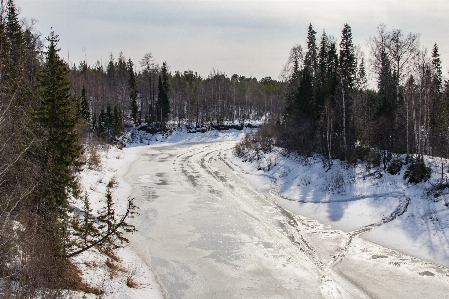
(106,236)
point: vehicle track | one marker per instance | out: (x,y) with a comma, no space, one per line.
(207,170)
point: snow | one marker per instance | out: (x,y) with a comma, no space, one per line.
(384,210)
(114,165)
(348,198)
(92,263)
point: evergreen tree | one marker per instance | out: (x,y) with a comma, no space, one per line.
(102,129)
(162,97)
(117,126)
(440,111)
(108,121)
(110,69)
(57,117)
(85,107)
(132,85)
(347,67)
(437,74)
(13,46)
(310,60)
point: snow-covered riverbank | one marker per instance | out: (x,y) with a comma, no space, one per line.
(349,198)
(113,165)
(331,210)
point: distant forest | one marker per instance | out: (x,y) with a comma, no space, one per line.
(156,96)
(51,114)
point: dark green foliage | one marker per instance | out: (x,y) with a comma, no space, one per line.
(395,166)
(132,86)
(117,122)
(347,59)
(163,95)
(57,116)
(85,107)
(109,124)
(109,221)
(417,171)
(163,103)
(386,103)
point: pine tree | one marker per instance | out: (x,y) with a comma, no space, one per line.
(57,117)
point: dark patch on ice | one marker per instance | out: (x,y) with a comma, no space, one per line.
(162,183)
(426,273)
(379,257)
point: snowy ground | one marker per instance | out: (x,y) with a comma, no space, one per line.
(349,199)
(113,166)
(212,226)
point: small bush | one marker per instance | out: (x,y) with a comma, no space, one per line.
(417,171)
(394,167)
(254,146)
(94,159)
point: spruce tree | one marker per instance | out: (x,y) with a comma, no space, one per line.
(162,97)
(347,67)
(117,122)
(132,85)
(310,60)
(57,117)
(85,107)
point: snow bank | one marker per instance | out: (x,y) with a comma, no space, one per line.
(136,137)
(113,167)
(93,264)
(350,198)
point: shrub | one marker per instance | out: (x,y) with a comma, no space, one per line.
(395,166)
(417,171)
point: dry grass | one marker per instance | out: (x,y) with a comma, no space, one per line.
(132,272)
(112,182)
(91,290)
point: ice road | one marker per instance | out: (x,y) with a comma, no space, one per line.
(207,232)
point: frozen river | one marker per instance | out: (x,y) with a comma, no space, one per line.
(207,232)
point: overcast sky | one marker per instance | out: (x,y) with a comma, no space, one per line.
(250,38)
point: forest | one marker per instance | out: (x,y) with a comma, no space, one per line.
(157,97)
(323,104)
(333,111)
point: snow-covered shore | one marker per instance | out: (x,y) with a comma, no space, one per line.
(348,199)
(96,272)
(351,198)
(113,166)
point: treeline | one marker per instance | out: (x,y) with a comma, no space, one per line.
(333,110)
(157,97)
(46,133)
(39,157)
